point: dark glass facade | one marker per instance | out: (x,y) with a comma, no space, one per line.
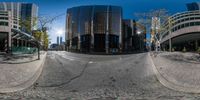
(94,28)
(132,42)
(3,41)
(28,13)
(193,6)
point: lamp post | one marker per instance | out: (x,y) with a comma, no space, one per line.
(139,35)
(38,46)
(37,42)
(170,39)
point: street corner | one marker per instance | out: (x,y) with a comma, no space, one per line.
(19,58)
(16,77)
(173,72)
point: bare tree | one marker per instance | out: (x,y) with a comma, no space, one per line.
(145,19)
(44,23)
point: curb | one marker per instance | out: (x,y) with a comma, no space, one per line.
(165,82)
(28,82)
(11,62)
(5,62)
(189,61)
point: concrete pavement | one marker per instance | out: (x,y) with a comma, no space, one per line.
(178,71)
(70,76)
(18,74)
(19,58)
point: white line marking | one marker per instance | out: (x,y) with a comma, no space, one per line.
(90,62)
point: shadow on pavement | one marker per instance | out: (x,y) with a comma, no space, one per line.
(17,58)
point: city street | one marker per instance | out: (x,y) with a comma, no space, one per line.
(99,50)
(79,76)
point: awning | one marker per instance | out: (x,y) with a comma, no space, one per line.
(18,34)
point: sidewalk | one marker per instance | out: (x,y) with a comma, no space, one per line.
(19,58)
(178,71)
(20,72)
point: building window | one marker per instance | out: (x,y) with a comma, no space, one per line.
(178,21)
(192,24)
(15,22)
(182,20)
(182,26)
(187,25)
(4,18)
(186,19)
(14,26)
(3,23)
(179,27)
(197,23)
(192,18)
(175,29)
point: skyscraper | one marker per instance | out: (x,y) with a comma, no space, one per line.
(29,12)
(95,28)
(12,32)
(21,12)
(58,40)
(129,30)
(193,6)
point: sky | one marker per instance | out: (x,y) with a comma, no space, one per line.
(130,7)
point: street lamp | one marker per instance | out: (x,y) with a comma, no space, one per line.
(139,33)
(38,46)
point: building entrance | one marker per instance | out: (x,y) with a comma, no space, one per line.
(3,41)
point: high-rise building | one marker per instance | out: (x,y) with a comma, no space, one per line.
(58,40)
(20,12)
(193,6)
(181,31)
(12,14)
(15,12)
(29,11)
(129,30)
(134,35)
(94,28)
(61,40)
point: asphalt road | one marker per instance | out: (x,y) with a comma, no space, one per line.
(71,76)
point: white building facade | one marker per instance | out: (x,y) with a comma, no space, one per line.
(12,35)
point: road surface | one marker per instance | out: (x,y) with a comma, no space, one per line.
(71,76)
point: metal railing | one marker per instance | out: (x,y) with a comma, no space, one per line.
(24,50)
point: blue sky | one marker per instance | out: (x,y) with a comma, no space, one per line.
(57,7)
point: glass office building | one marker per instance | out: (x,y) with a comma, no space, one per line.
(131,40)
(94,29)
(129,31)
(29,11)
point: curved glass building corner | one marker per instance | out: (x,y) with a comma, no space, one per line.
(94,28)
